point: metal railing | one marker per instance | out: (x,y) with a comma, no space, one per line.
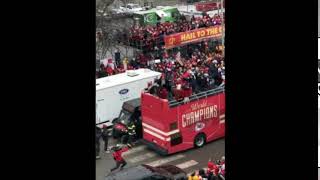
(198,96)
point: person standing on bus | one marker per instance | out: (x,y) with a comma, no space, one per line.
(131,132)
(117,57)
(169,77)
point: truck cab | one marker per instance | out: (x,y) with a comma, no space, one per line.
(130,113)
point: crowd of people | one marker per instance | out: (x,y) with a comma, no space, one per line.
(151,37)
(214,171)
(183,74)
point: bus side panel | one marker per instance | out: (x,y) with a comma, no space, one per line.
(201,116)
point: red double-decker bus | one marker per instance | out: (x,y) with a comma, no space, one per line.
(172,126)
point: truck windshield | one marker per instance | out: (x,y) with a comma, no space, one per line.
(124,117)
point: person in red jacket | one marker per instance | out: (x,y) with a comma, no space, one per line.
(117,156)
(216,168)
(210,167)
(109,70)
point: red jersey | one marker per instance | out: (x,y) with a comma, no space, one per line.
(109,70)
(118,154)
(186,75)
(216,169)
(210,167)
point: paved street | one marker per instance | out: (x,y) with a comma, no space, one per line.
(189,160)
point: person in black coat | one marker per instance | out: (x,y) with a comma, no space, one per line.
(117,57)
(98,136)
(105,137)
(194,84)
(169,82)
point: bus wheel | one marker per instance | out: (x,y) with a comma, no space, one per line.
(199,140)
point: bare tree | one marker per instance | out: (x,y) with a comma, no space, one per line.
(111,30)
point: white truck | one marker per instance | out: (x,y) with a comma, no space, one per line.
(128,9)
(112,91)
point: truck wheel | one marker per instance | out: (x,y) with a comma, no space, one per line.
(199,140)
